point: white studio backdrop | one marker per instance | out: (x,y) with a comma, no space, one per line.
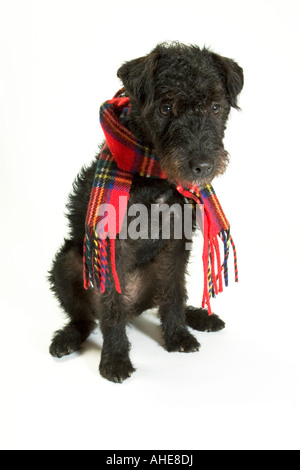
(58,64)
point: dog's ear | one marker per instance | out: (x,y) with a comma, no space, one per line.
(233,77)
(138,77)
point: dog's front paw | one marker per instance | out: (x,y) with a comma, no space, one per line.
(116,369)
(182,341)
(64,343)
(199,319)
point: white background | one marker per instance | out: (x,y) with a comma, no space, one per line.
(58,62)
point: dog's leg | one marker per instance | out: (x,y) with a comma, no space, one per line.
(177,337)
(172,304)
(115,363)
(67,284)
(70,338)
(198,319)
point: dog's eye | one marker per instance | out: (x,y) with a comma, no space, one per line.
(165,110)
(215,108)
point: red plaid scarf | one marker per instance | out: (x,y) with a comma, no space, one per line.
(121,158)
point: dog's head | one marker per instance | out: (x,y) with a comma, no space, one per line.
(181,98)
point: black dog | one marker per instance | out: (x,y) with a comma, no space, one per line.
(181,98)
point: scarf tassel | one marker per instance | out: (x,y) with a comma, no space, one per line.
(95,265)
(113,264)
(214,271)
(213,275)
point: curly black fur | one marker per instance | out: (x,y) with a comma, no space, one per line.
(181,98)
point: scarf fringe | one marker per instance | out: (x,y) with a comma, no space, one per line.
(214,271)
(95,264)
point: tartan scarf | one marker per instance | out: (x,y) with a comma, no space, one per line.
(122,157)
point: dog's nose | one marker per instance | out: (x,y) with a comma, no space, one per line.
(202,169)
